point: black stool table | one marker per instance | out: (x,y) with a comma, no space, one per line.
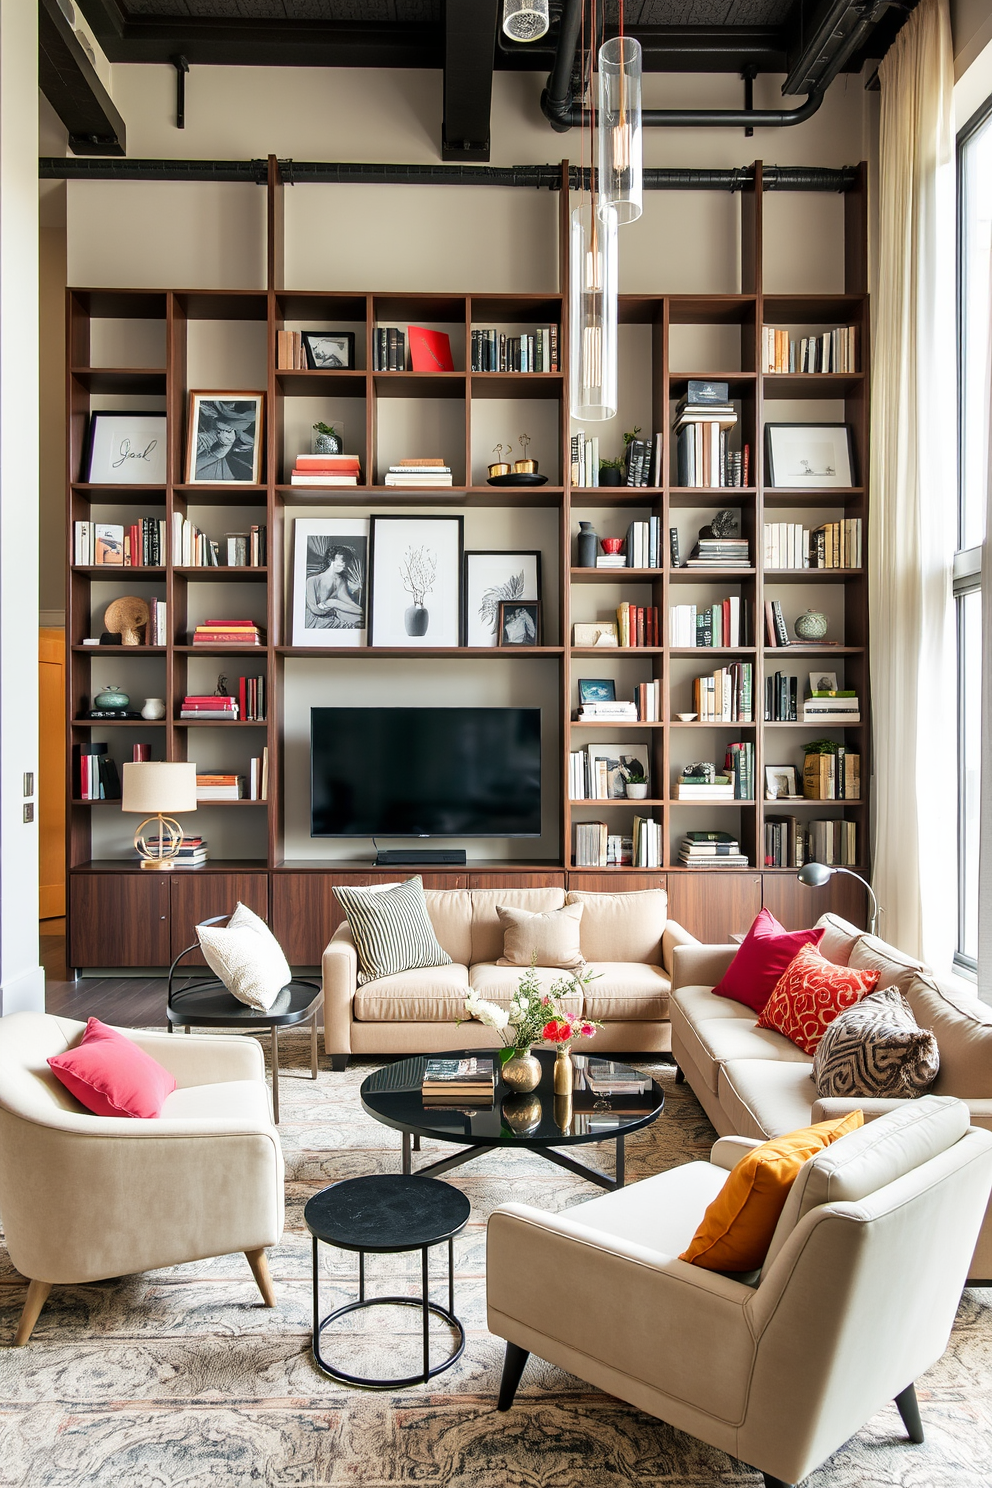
(384,1214)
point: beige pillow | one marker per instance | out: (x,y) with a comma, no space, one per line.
(898,970)
(962,1026)
(622,927)
(552,939)
(839,938)
(247,957)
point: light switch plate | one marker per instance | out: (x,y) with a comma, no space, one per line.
(29,782)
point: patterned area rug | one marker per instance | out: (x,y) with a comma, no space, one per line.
(181,1378)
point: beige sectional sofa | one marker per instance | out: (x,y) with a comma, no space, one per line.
(753,1082)
(627,940)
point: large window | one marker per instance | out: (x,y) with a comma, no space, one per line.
(974,308)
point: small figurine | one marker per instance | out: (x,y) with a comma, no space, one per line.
(724,524)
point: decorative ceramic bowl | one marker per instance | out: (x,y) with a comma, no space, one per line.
(111,697)
(611,545)
(686,717)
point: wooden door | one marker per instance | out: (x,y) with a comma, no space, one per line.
(119,919)
(51,773)
(197,896)
(713,906)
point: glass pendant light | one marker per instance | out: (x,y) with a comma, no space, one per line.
(593,307)
(525,20)
(620,174)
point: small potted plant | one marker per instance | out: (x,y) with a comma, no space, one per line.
(326,440)
(635,783)
(611,472)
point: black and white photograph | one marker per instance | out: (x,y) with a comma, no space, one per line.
(491,578)
(823,681)
(622,760)
(329,351)
(810,455)
(330,581)
(125,448)
(597,690)
(780,783)
(416,597)
(225,438)
(519,622)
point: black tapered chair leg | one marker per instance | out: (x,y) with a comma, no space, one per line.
(679,1075)
(909,1408)
(771,1482)
(513,1368)
(339,1063)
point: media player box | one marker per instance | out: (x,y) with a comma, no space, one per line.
(420,857)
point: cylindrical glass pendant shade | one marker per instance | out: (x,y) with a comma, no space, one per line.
(620,154)
(525,20)
(593,308)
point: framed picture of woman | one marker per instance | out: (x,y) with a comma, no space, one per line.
(224,446)
(330,581)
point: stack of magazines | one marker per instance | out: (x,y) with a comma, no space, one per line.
(467,1081)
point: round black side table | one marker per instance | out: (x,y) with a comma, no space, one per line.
(383,1214)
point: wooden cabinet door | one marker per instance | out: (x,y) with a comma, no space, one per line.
(196,896)
(513,881)
(119,919)
(611,883)
(712,906)
(797,907)
(305,912)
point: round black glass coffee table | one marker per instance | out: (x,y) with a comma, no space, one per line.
(599,1109)
(383,1214)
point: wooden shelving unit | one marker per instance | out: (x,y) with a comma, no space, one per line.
(297,894)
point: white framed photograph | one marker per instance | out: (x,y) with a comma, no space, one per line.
(490,579)
(124,448)
(224,446)
(780,783)
(416,594)
(808,455)
(822,682)
(621,760)
(330,581)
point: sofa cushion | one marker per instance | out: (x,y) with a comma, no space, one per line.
(963,1029)
(487,932)
(765,952)
(434,994)
(895,969)
(711,1043)
(839,938)
(391,929)
(622,927)
(498,983)
(698,1004)
(450,912)
(626,992)
(765,1097)
(235,1101)
(876,1048)
(809,995)
(550,938)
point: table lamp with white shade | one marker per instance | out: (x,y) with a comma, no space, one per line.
(157,789)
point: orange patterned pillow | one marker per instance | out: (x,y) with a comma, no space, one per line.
(810,993)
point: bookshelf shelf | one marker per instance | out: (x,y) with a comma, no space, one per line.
(476,653)
(120,379)
(813,575)
(814,385)
(220,723)
(709,575)
(117,723)
(119,650)
(222,574)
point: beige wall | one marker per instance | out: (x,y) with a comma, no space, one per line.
(971,29)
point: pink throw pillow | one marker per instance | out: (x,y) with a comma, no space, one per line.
(766,951)
(111,1076)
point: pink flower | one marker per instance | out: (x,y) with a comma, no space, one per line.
(587,1030)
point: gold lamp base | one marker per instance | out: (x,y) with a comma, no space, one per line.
(168,831)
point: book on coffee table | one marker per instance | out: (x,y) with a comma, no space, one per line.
(459,1079)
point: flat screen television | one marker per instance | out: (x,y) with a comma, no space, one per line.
(425,772)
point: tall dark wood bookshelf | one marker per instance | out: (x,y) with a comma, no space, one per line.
(120,916)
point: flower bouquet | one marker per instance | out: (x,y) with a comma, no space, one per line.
(533,1017)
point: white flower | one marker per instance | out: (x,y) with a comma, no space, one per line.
(488,1013)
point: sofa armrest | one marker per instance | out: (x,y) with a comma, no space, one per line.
(202,1059)
(673,935)
(727,1152)
(340,981)
(833,1107)
(981,1111)
(700,965)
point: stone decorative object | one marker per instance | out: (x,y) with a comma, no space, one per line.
(522,1072)
(112,697)
(723,524)
(588,545)
(812,626)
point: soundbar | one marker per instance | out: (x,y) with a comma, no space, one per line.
(413,857)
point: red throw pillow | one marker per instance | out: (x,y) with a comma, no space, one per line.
(810,993)
(765,952)
(111,1076)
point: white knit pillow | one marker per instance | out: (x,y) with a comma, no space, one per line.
(247,958)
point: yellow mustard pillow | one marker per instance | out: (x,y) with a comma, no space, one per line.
(737,1228)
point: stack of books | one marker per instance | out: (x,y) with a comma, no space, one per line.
(96,776)
(833,842)
(647,842)
(414,471)
(326,470)
(832,777)
(612,560)
(590,844)
(838,708)
(711,850)
(726,623)
(781,698)
(785,842)
(251,699)
(786,545)
(210,707)
(584,459)
(696,785)
(192,851)
(467,1081)
(258,776)
(227,633)
(720,552)
(388,349)
(606,712)
(220,787)
(637,625)
(831,351)
(703,421)
(291,354)
(111,545)
(726,695)
(836,544)
(494,351)
(643,546)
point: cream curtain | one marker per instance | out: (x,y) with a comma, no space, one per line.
(913,494)
(985,818)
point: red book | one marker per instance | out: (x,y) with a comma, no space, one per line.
(241,694)
(640,626)
(327,462)
(430,351)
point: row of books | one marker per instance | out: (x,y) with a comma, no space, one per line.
(494,351)
(781,698)
(193,851)
(596,773)
(326,470)
(291,352)
(647,843)
(701,782)
(227,633)
(833,842)
(832,777)
(739,763)
(643,461)
(113,545)
(711,850)
(388,349)
(258,776)
(725,695)
(192,548)
(726,623)
(584,459)
(642,548)
(720,552)
(776,630)
(414,471)
(837,708)
(638,625)
(95,775)
(248,706)
(594,846)
(831,545)
(705,460)
(831,351)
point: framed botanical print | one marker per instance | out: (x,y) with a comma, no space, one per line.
(490,579)
(416,595)
(330,581)
(224,446)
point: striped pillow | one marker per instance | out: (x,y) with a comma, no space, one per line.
(391,930)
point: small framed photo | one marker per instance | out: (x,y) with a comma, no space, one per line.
(125,448)
(329,351)
(815,456)
(621,761)
(597,690)
(416,592)
(780,783)
(225,439)
(330,581)
(823,681)
(519,622)
(598,633)
(491,577)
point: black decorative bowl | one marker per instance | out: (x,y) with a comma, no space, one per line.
(521,478)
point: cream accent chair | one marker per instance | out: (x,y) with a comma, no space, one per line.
(86,1197)
(856,1298)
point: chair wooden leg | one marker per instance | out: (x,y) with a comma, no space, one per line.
(259,1264)
(513,1368)
(909,1408)
(313,1047)
(275,1074)
(36,1298)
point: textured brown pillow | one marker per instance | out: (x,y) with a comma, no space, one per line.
(876,1048)
(552,939)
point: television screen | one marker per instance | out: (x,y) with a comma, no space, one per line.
(425,772)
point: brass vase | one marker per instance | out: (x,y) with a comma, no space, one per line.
(563,1112)
(564,1071)
(522,1072)
(522,1113)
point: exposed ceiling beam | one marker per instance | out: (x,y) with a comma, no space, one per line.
(68,80)
(469,50)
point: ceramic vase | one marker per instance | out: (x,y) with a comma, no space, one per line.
(326,444)
(522,1072)
(564,1070)
(416,620)
(153,708)
(588,545)
(111,697)
(611,477)
(812,626)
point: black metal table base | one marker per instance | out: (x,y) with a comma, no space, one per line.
(467,1154)
(446,1314)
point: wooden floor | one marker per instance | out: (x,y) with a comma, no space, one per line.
(130,1002)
